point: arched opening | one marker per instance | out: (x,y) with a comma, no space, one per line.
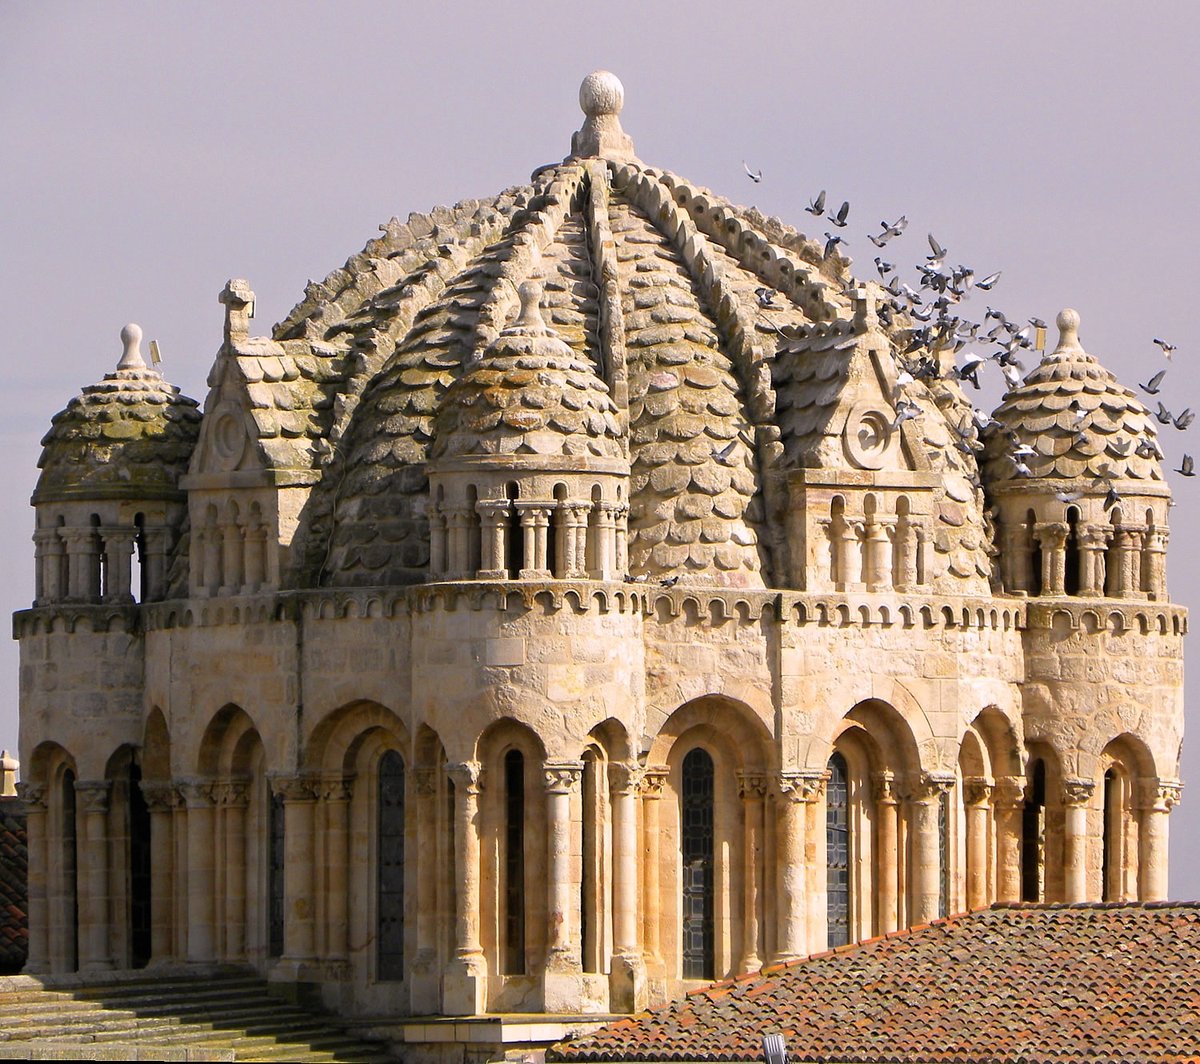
(275,872)
(1109,879)
(474,533)
(1033,835)
(389,902)
(140,870)
(1072,560)
(593,560)
(837,851)
(837,524)
(696,844)
(513,915)
(138,571)
(944,854)
(69,851)
(591,883)
(514,541)
(1035,554)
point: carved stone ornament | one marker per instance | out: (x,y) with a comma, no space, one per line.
(802,786)
(654,778)
(160,795)
(752,786)
(33,795)
(868,437)
(1009,792)
(93,795)
(1162,795)
(335,789)
(294,788)
(232,793)
(977,789)
(1076,791)
(562,777)
(466,776)
(883,787)
(624,778)
(197,794)
(930,786)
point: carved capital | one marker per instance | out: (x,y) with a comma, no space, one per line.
(335,789)
(977,790)
(883,787)
(801,786)
(93,795)
(1077,791)
(1094,537)
(625,777)
(425,782)
(197,794)
(654,777)
(294,788)
(562,777)
(493,512)
(1009,792)
(1051,534)
(466,776)
(34,796)
(930,786)
(1159,795)
(161,796)
(752,786)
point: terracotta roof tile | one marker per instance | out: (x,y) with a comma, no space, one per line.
(1077,984)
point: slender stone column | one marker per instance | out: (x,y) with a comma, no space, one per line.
(1053,537)
(1008,799)
(232,557)
(1155,555)
(47,552)
(887,886)
(233,797)
(879,553)
(794,792)
(1020,555)
(161,800)
(1131,562)
(653,780)
(905,554)
(81,563)
(158,544)
(1077,793)
(606,542)
(927,861)
(576,520)
(627,975)
(849,555)
(299,919)
(621,515)
(977,793)
(493,516)
(1158,798)
(464,991)
(198,797)
(37,906)
(95,953)
(425,976)
(535,523)
(213,553)
(457,544)
(1093,542)
(823,574)
(752,787)
(335,805)
(561,981)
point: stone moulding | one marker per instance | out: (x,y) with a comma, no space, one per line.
(713,606)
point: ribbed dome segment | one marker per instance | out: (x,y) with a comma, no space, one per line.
(129,436)
(1076,419)
(529,395)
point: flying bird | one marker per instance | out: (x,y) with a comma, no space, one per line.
(1151,386)
(1167,349)
(724,455)
(831,243)
(989,282)
(843,213)
(939,252)
(766,296)
(884,268)
(1182,421)
(1068,496)
(817,206)
(905,411)
(1186,466)
(755,176)
(1147,448)
(1164,416)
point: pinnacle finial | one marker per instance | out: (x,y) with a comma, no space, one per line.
(131,358)
(529,321)
(1068,330)
(601,93)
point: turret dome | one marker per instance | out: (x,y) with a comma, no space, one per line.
(131,435)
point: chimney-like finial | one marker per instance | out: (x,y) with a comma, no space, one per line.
(1068,330)
(529,321)
(8,774)
(601,96)
(131,357)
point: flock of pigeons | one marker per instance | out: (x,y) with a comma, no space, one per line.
(934,307)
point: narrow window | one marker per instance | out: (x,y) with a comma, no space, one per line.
(514,863)
(275,878)
(1071,575)
(69,872)
(514,542)
(696,839)
(837,852)
(1110,861)
(390,886)
(944,854)
(1033,836)
(1035,555)
(140,872)
(589,882)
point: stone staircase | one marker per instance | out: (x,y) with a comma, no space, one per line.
(227,1016)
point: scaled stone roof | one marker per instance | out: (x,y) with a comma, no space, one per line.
(529,394)
(1072,984)
(14,930)
(132,433)
(1077,418)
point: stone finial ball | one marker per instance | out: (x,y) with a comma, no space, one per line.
(1068,320)
(601,93)
(131,335)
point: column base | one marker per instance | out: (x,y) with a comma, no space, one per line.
(627,987)
(562,991)
(464,987)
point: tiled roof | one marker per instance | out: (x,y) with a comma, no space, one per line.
(13,925)
(1063,983)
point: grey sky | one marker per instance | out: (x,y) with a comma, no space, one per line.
(151,151)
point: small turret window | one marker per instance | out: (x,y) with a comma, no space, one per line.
(1071,575)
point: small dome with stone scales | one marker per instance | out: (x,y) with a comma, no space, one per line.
(130,435)
(1071,418)
(530,394)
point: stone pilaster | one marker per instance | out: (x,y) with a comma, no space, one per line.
(1156,800)
(562,977)
(926,796)
(887,879)
(95,951)
(977,794)
(627,990)
(199,799)
(752,789)
(464,985)
(299,916)
(653,780)
(794,792)
(161,798)
(1076,795)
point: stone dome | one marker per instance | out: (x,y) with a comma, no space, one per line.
(674,297)
(1076,419)
(129,436)
(530,394)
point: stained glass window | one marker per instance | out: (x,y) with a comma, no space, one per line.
(696,839)
(837,852)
